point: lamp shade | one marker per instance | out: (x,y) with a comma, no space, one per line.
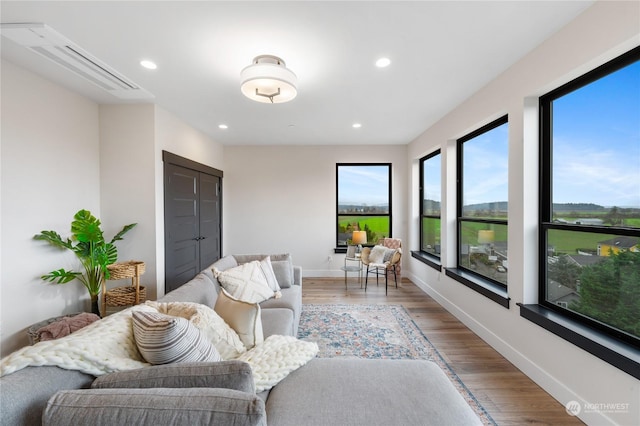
(486,236)
(268,80)
(359,237)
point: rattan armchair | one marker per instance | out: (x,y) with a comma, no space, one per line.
(380,266)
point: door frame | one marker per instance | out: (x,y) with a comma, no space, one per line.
(170,158)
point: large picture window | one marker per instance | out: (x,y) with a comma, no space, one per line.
(590,199)
(363,201)
(482,203)
(430,196)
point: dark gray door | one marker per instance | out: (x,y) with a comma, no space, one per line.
(193,219)
(210,214)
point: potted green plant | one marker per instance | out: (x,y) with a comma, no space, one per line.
(95,254)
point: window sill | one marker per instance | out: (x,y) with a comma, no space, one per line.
(427,259)
(486,288)
(608,349)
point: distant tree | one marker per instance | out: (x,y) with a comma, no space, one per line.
(371,236)
(565,272)
(610,292)
(614,217)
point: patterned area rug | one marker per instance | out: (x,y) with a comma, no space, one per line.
(375,331)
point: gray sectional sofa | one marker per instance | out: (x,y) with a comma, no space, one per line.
(322,392)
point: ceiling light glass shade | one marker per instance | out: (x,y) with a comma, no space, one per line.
(268,80)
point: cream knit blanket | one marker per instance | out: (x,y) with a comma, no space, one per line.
(108,345)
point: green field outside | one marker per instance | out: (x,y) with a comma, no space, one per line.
(634,222)
(569,242)
(377,224)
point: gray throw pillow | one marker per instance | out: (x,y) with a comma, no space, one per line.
(283,269)
(231,374)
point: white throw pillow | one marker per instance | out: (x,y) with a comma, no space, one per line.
(246,282)
(212,325)
(165,339)
(377,254)
(243,317)
(270,275)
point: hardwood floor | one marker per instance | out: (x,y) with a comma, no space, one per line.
(509,396)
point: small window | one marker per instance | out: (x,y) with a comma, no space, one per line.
(363,201)
(482,203)
(430,196)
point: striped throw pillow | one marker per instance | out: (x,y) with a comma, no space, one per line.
(164,339)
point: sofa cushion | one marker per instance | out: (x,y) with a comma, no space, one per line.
(394,392)
(154,407)
(209,322)
(24,394)
(163,339)
(291,300)
(245,318)
(224,374)
(247,282)
(278,321)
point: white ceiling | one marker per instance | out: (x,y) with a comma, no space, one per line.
(441,52)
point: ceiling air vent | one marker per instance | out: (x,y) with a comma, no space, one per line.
(45,41)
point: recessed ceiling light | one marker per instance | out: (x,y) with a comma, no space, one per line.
(148,64)
(383,62)
(356,125)
(222,126)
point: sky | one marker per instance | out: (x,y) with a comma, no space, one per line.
(485,173)
(363,185)
(596,142)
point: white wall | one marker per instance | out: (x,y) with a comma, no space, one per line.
(567,372)
(127,134)
(283,199)
(176,137)
(50,170)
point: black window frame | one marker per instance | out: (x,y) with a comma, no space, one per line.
(592,336)
(427,257)
(342,248)
(484,285)
(546,195)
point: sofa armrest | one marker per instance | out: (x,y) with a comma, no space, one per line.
(153,407)
(297,275)
(232,374)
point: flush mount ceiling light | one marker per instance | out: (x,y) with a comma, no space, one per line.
(383,62)
(150,65)
(268,80)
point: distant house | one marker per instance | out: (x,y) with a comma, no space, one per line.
(561,295)
(618,244)
(583,259)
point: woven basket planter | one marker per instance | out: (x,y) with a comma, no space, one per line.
(129,269)
(125,295)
